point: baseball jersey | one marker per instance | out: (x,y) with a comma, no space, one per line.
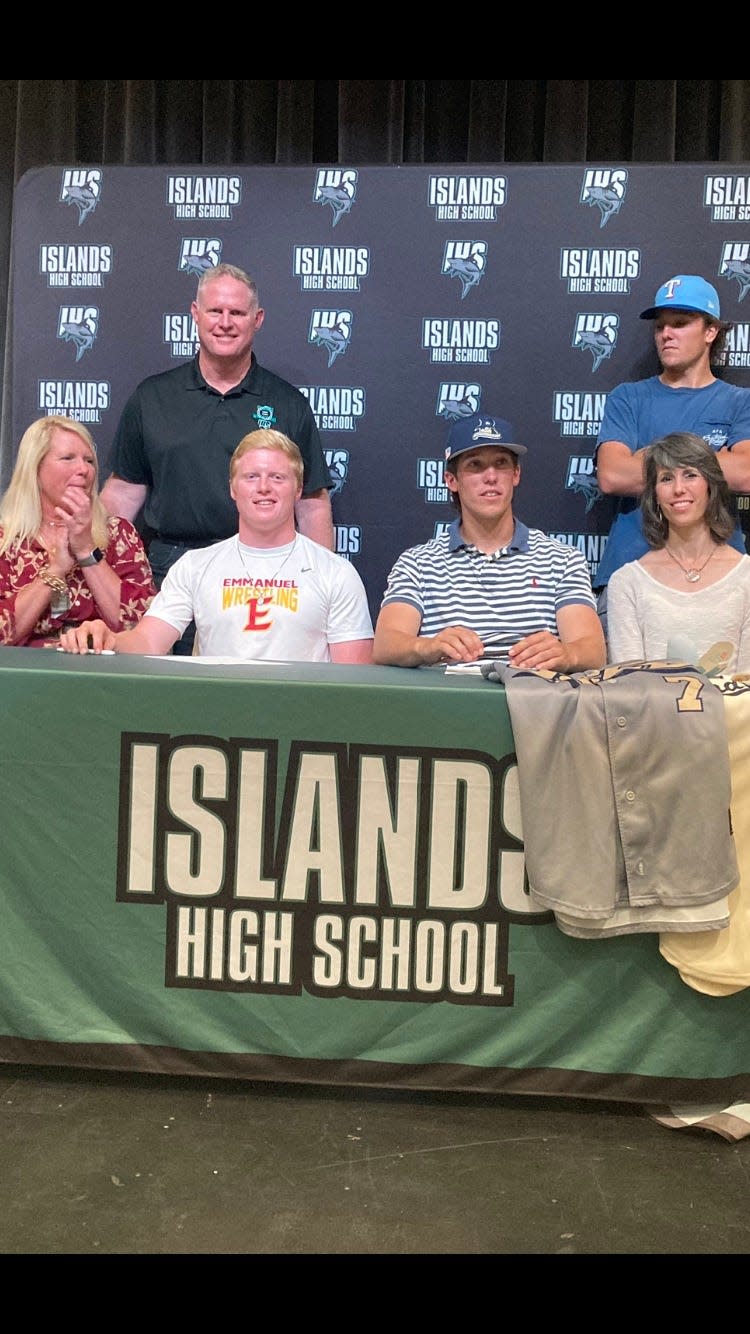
(644,410)
(625,790)
(513,592)
(718,964)
(281,604)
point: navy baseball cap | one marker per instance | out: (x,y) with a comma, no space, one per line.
(685,292)
(481,429)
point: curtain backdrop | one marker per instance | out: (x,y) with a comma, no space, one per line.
(353,121)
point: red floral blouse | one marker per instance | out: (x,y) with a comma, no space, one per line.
(126,555)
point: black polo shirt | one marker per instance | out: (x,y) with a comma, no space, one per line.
(176,436)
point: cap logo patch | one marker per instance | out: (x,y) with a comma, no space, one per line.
(486,430)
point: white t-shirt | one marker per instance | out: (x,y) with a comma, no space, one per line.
(643,615)
(282,604)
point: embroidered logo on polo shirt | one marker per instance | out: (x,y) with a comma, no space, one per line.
(264,415)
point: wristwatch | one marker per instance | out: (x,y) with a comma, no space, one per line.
(96,555)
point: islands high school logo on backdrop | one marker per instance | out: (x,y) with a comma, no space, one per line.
(604,189)
(348,539)
(81,189)
(597,334)
(337,462)
(728,198)
(467,198)
(431,481)
(330,267)
(336,188)
(460,341)
(75,265)
(331,330)
(181,334)
(335,407)
(198,254)
(590,269)
(78,325)
(735,266)
(457,400)
(466,261)
(203,196)
(578,413)
(82,400)
(581,478)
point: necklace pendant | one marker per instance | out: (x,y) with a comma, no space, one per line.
(694,573)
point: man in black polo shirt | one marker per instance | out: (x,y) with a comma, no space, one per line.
(179,429)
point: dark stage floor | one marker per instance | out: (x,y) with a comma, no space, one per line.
(103,1163)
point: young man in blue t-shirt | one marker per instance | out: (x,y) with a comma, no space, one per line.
(685,396)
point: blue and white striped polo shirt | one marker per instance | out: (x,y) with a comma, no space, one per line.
(513,592)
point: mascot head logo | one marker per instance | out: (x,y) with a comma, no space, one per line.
(332,330)
(338,468)
(604,188)
(597,334)
(335,189)
(735,265)
(466,261)
(78,325)
(581,478)
(81,187)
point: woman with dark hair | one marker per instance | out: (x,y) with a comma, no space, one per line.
(691,584)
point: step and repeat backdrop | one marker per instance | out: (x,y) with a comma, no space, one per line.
(397,299)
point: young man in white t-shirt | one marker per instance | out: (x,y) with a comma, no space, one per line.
(267,593)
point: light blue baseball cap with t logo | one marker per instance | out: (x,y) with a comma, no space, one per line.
(685,292)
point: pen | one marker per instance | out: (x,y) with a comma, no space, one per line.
(496,647)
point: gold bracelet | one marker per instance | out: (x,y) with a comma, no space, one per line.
(51,580)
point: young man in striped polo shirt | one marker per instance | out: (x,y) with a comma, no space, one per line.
(489,586)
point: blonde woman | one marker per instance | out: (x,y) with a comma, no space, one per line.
(63,559)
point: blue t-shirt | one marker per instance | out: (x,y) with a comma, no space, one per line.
(644,410)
